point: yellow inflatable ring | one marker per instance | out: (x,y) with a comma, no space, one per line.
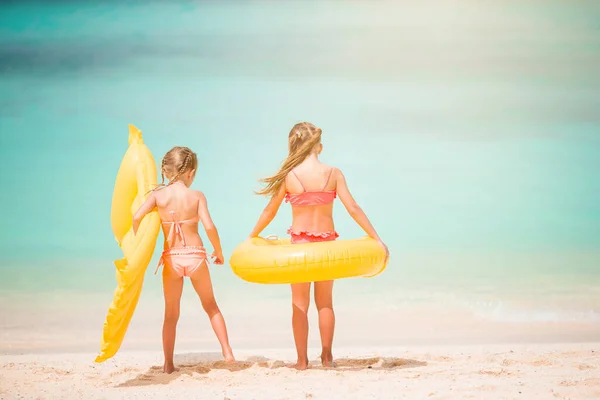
(274,260)
(136,177)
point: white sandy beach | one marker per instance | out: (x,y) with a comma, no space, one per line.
(412,352)
(557,371)
(467,131)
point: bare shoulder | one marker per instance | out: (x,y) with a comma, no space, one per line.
(199,195)
(157,193)
(288,181)
(336,173)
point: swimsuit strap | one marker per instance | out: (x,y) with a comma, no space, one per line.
(324,186)
(175,225)
(299,181)
(327,181)
(177,229)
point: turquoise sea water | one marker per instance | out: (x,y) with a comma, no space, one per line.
(468,132)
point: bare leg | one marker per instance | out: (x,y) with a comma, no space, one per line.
(172,288)
(203,286)
(324,302)
(300,303)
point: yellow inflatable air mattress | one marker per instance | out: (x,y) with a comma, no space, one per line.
(136,177)
(266,260)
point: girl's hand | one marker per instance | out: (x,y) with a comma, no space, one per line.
(387,252)
(218,257)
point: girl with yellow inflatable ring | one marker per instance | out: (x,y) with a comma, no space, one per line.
(310,187)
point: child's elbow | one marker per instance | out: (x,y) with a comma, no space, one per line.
(269,213)
(135,225)
(354,210)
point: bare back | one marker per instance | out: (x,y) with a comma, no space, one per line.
(177,202)
(312,177)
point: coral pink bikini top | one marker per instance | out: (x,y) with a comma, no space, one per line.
(307,198)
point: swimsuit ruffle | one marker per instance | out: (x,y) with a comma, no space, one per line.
(181,251)
(184,250)
(322,235)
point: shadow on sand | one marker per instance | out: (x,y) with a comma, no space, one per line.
(202,363)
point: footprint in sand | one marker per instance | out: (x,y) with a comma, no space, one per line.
(189,369)
(568,383)
(544,362)
(233,367)
(360,363)
(401,363)
(277,364)
(591,382)
(443,359)
(583,367)
(502,372)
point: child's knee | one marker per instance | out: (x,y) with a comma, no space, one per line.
(171,315)
(323,303)
(210,307)
(301,305)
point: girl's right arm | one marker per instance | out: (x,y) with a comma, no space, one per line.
(354,209)
(210,228)
(269,212)
(148,206)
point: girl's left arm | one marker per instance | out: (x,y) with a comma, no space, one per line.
(269,212)
(149,205)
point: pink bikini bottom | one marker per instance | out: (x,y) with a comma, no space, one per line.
(311,237)
(183,260)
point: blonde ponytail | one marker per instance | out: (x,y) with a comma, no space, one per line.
(302,140)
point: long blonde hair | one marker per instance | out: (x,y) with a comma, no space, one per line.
(177,161)
(302,140)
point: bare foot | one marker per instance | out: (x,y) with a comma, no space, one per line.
(327,360)
(300,366)
(168,368)
(228,356)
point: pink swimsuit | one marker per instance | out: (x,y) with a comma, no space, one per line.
(184,260)
(304,199)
